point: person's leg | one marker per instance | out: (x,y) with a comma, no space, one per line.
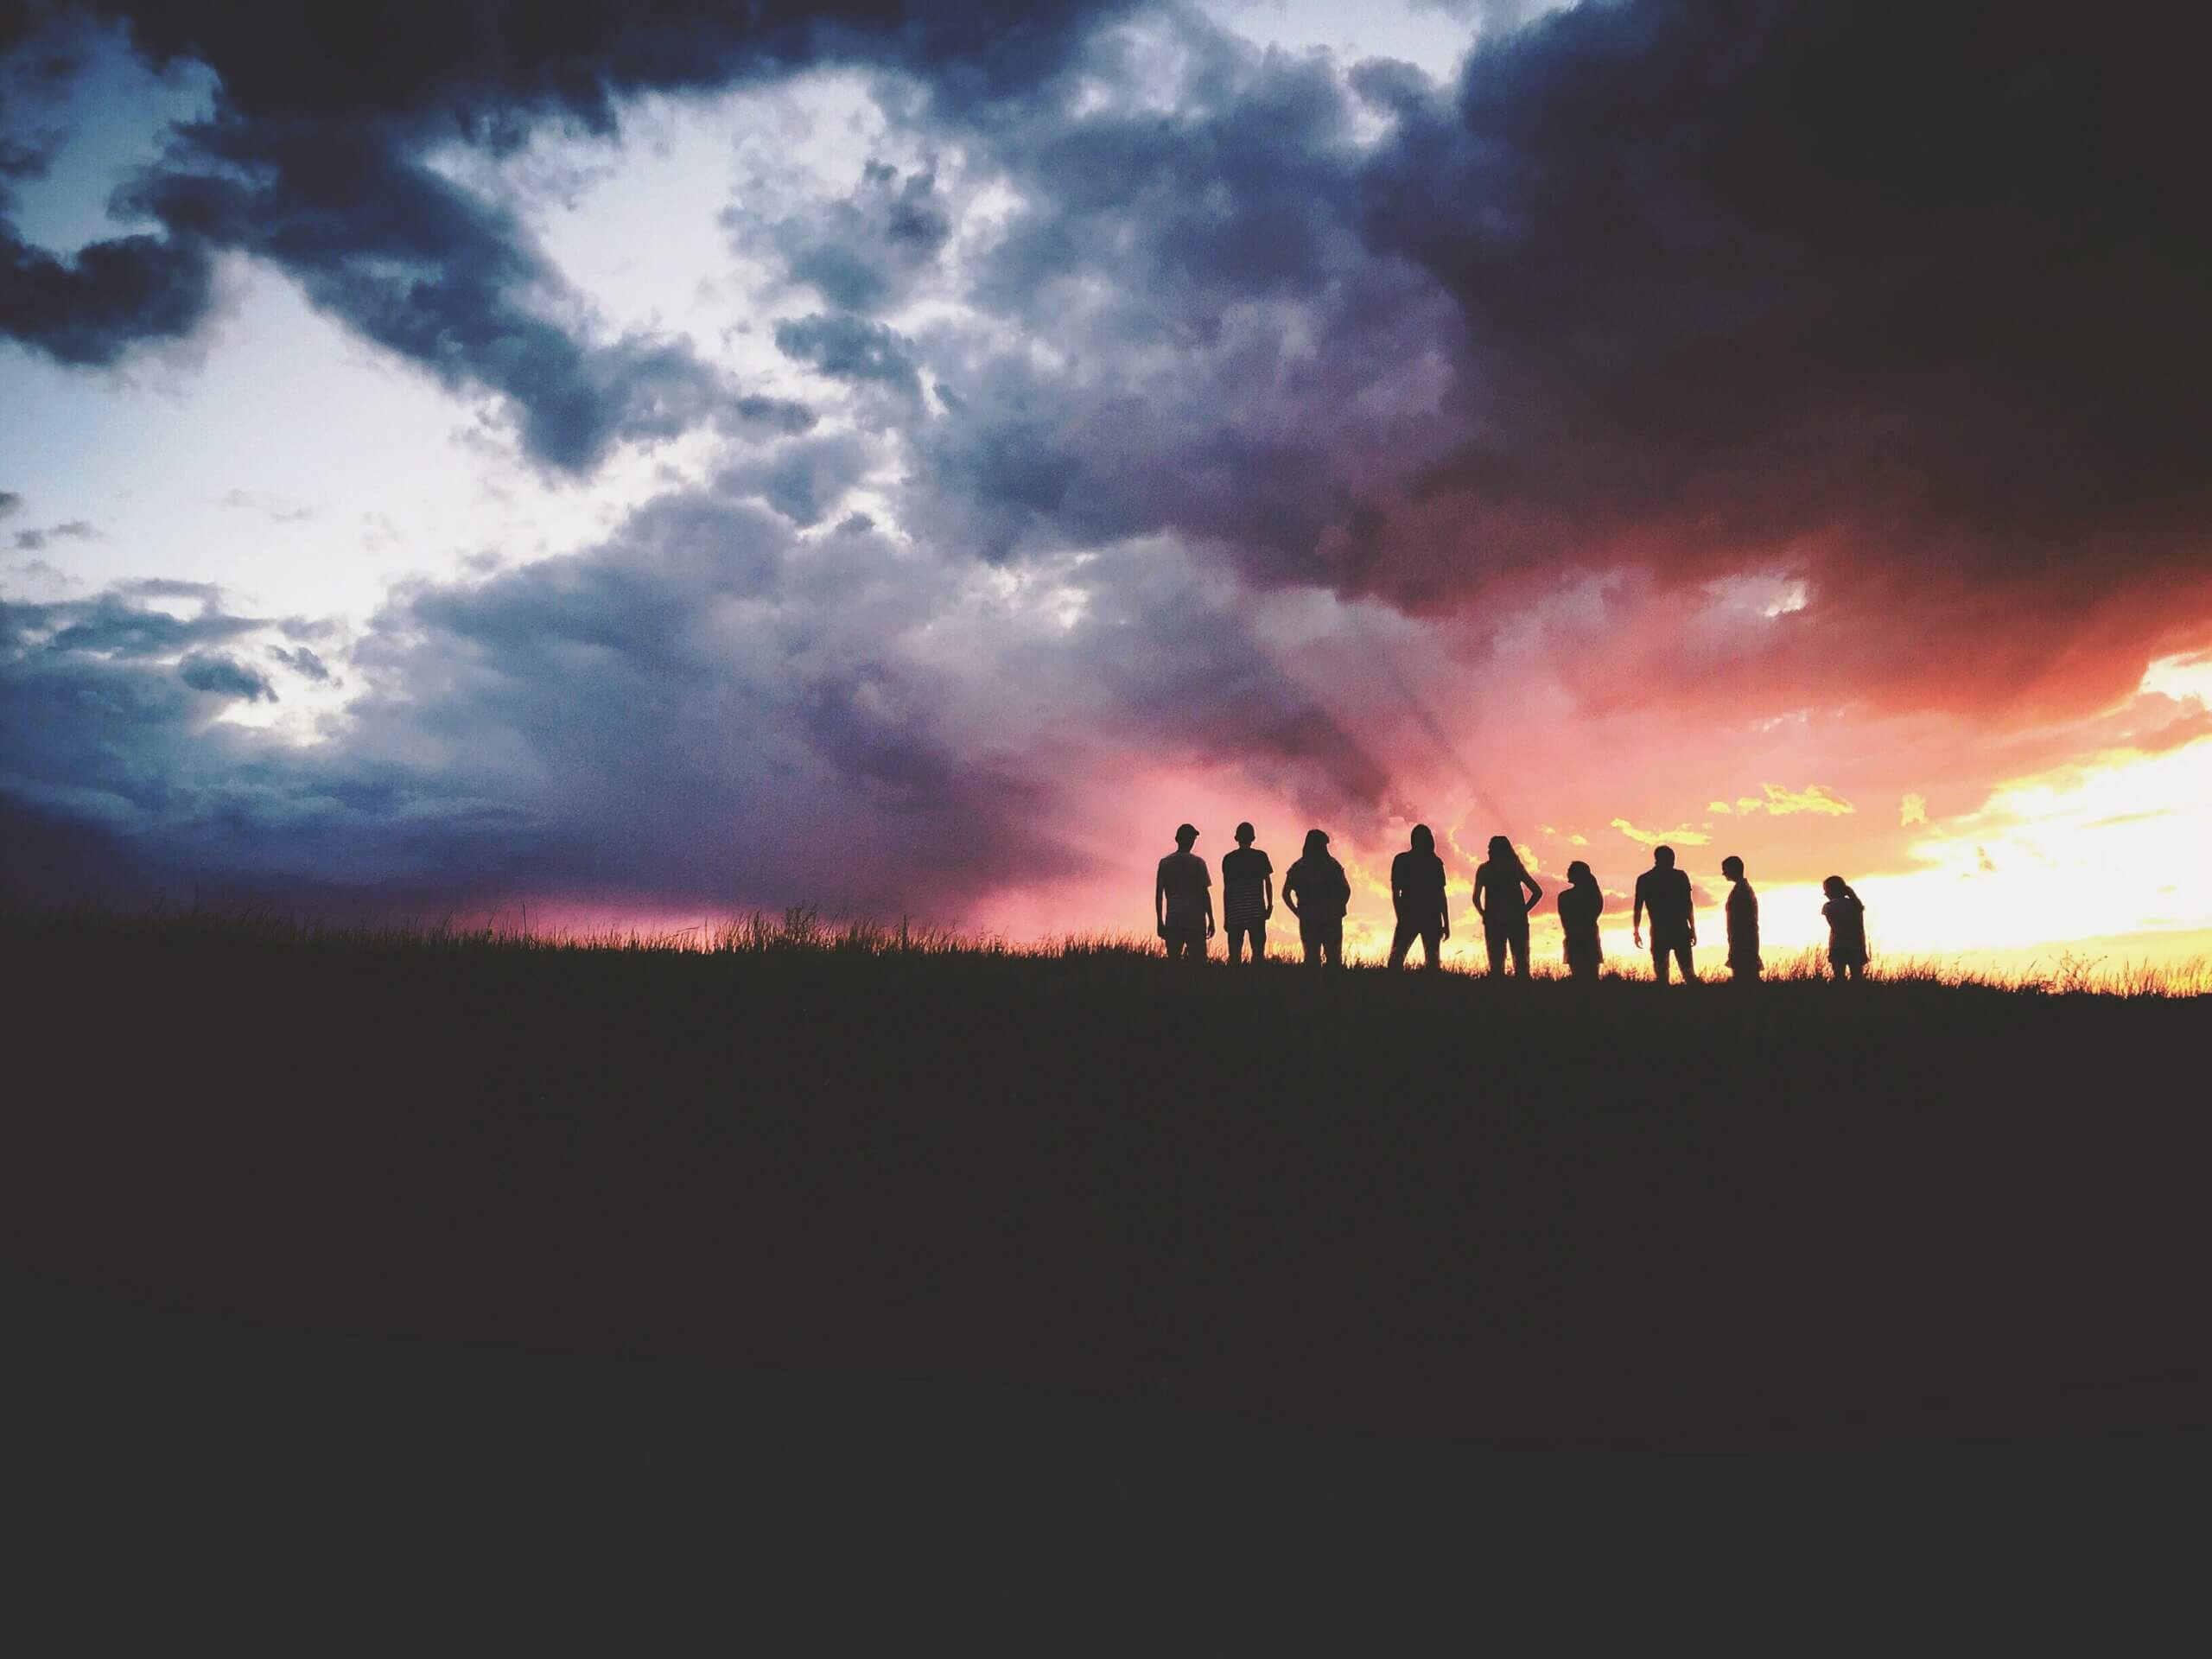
(1236,943)
(1259,933)
(1494,944)
(1333,942)
(1686,955)
(1658,961)
(1310,936)
(1401,942)
(1432,946)
(1518,940)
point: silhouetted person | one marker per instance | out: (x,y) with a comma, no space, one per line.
(1664,892)
(1182,898)
(1846,930)
(1417,890)
(1499,880)
(1248,895)
(1580,903)
(1318,893)
(1743,924)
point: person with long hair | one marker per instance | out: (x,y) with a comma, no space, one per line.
(1743,908)
(1846,930)
(1499,881)
(1417,891)
(1580,903)
(1317,891)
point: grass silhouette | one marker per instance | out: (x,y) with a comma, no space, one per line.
(1533,1213)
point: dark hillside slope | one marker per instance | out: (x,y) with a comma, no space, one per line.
(1414,1206)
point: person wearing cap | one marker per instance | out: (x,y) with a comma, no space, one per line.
(1248,895)
(1318,893)
(1182,900)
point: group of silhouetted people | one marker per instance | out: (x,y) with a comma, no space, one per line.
(1318,893)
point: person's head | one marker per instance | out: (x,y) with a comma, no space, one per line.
(1317,843)
(1423,841)
(1732,868)
(1243,835)
(1185,836)
(1663,857)
(1578,874)
(1502,848)
(1835,887)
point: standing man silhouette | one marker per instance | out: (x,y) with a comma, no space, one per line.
(1743,964)
(1182,900)
(1318,892)
(1417,890)
(1248,895)
(1665,892)
(1580,903)
(1498,881)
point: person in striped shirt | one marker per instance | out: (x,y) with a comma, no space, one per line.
(1182,900)
(1248,895)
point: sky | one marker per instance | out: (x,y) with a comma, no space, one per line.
(636,463)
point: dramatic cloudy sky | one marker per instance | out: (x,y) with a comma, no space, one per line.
(651,459)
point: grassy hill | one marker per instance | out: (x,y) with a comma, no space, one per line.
(1429,1205)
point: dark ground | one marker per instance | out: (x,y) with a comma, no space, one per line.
(462,1228)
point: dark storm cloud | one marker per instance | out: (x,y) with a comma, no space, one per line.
(703,709)
(432,273)
(111,625)
(10,504)
(866,250)
(224,675)
(804,479)
(852,348)
(313,160)
(1902,285)
(90,308)
(1227,360)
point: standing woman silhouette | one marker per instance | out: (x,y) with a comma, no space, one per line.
(1316,890)
(1417,890)
(1499,879)
(1580,903)
(1846,930)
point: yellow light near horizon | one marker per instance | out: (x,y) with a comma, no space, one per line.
(2115,847)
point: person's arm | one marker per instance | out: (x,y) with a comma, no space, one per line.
(1535,893)
(1476,895)
(1209,899)
(1689,906)
(1290,890)
(1636,922)
(1443,902)
(1160,905)
(1267,892)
